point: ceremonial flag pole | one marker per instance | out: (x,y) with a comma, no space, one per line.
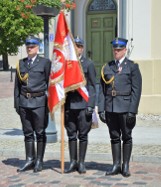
(66,74)
(62,139)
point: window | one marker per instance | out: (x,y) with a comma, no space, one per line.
(101,5)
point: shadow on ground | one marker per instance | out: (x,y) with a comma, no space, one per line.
(55,165)
(12,132)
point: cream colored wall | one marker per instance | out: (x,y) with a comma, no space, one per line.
(151,69)
(156,29)
(151,86)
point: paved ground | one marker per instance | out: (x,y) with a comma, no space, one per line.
(145,163)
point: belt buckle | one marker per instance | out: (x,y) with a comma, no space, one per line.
(28,95)
(113,93)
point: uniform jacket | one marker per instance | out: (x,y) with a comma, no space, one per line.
(37,82)
(127,80)
(74,100)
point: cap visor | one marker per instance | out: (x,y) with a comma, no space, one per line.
(30,45)
(118,47)
(77,43)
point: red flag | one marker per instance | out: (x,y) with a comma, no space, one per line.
(66,71)
(84,93)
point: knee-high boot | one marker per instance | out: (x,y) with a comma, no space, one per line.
(82,154)
(116,155)
(127,149)
(73,157)
(30,156)
(40,155)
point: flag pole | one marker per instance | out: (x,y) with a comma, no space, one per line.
(62,138)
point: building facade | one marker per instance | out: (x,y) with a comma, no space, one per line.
(99,21)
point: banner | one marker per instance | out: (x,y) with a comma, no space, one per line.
(66,71)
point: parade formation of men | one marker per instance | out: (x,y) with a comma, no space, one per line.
(118,101)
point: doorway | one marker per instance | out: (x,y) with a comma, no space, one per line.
(101,29)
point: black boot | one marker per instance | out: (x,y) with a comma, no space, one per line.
(127,148)
(30,157)
(73,157)
(116,154)
(40,155)
(82,154)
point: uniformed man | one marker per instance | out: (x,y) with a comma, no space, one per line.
(78,113)
(119,96)
(30,102)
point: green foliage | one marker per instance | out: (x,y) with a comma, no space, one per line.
(54,3)
(16,23)
(50,3)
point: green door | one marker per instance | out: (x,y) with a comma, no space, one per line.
(100,32)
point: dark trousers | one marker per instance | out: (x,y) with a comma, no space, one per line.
(77,125)
(33,120)
(118,128)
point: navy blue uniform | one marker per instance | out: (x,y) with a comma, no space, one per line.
(76,122)
(120,100)
(30,97)
(78,118)
(127,84)
(30,102)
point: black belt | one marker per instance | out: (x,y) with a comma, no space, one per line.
(34,94)
(115,93)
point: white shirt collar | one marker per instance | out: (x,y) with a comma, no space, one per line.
(33,58)
(121,60)
(80,57)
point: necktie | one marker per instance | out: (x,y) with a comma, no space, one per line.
(29,62)
(117,63)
